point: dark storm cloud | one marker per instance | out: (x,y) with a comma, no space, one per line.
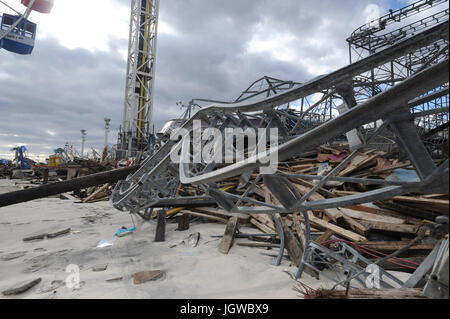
(52,94)
(62,91)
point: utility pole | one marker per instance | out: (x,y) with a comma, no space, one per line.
(107,125)
(105,150)
(83,139)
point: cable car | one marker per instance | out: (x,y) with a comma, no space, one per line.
(21,39)
(42,6)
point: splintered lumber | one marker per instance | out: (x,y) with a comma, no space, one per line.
(29,194)
(228,238)
(407,210)
(356,226)
(206,216)
(385,212)
(325,236)
(438,205)
(389,246)
(332,213)
(317,222)
(265,220)
(359,162)
(220,213)
(261,226)
(371,217)
(368,293)
(292,244)
(299,228)
(95,193)
(395,228)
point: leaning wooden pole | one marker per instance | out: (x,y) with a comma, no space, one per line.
(65,186)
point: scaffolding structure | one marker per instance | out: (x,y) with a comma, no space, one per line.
(135,133)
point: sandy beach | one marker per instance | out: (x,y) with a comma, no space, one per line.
(188,272)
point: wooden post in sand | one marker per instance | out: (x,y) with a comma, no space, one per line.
(161,226)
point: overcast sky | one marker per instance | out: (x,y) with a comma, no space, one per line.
(206,49)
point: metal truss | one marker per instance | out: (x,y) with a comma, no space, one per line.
(387,31)
(135,131)
(162,177)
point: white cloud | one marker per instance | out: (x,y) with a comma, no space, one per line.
(83,23)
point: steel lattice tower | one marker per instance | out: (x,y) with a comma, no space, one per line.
(135,134)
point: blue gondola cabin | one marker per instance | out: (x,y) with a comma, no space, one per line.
(21,39)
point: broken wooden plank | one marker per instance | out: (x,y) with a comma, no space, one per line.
(25,195)
(228,237)
(395,228)
(160,233)
(58,233)
(144,276)
(325,236)
(388,246)
(220,213)
(367,293)
(357,163)
(95,193)
(265,220)
(22,287)
(439,205)
(293,246)
(261,226)
(317,222)
(371,217)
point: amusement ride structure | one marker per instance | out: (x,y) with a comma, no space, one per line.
(394,91)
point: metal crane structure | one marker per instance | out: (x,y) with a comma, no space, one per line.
(361,97)
(134,134)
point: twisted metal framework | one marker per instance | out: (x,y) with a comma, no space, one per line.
(387,31)
(135,131)
(308,115)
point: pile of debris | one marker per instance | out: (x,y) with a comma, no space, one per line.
(374,230)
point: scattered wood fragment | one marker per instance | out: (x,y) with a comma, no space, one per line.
(96,193)
(99,268)
(228,238)
(183,222)
(317,222)
(144,276)
(22,287)
(374,293)
(206,216)
(160,233)
(58,233)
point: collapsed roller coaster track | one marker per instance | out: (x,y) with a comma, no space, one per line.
(391,104)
